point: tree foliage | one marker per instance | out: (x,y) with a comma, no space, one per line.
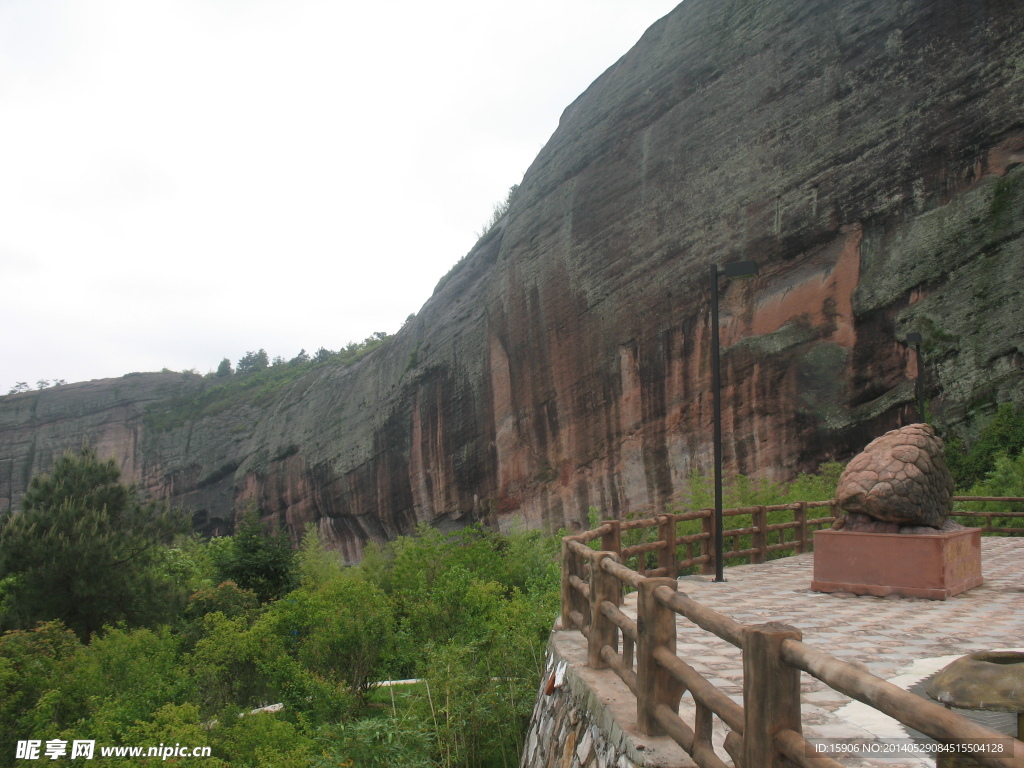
(469,613)
(31,663)
(256,561)
(341,630)
(253,361)
(1006,478)
(1003,435)
(377,743)
(83,549)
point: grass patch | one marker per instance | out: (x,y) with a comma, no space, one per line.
(389,700)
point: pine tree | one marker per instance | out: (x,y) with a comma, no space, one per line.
(258,562)
(253,361)
(84,550)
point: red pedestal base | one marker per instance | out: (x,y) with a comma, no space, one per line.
(933,566)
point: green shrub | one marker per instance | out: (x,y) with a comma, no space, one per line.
(227,667)
(227,598)
(316,565)
(476,720)
(1003,435)
(32,662)
(341,630)
(499,211)
(469,612)
(375,743)
(1005,479)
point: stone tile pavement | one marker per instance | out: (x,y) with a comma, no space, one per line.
(898,639)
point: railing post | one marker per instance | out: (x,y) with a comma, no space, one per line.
(586,574)
(567,571)
(800,515)
(603,586)
(655,627)
(612,541)
(707,525)
(760,537)
(667,554)
(771,693)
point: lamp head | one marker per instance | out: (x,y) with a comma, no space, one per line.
(739,270)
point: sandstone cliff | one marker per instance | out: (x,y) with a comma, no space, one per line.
(866,154)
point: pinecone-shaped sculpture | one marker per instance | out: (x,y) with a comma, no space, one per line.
(901,477)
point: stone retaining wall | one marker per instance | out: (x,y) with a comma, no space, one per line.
(586,718)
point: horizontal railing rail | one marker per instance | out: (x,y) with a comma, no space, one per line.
(973,517)
(763,537)
(766,730)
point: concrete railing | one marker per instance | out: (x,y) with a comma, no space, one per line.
(766,730)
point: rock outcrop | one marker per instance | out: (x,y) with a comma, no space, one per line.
(867,155)
(901,477)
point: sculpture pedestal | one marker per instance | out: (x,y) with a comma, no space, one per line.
(933,566)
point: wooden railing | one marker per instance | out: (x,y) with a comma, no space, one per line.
(974,518)
(766,730)
(758,534)
(758,539)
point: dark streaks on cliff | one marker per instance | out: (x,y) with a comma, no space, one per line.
(867,154)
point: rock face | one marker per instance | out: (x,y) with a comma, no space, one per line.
(867,155)
(901,477)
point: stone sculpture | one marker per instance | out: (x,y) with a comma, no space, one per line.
(898,484)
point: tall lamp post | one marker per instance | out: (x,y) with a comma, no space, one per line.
(735,271)
(914,339)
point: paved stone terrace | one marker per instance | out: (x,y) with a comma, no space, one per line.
(899,639)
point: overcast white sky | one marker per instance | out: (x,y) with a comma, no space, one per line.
(186,180)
